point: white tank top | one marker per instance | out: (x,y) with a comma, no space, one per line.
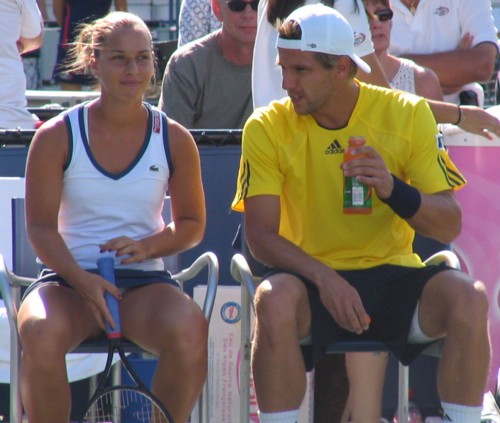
(404,79)
(97,205)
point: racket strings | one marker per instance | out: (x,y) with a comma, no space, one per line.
(125,405)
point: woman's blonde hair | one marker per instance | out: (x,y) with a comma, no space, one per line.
(93,36)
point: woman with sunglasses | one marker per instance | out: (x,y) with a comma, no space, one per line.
(403,74)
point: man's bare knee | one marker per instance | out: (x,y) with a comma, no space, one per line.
(277,304)
(471,307)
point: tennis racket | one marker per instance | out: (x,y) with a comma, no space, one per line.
(121,403)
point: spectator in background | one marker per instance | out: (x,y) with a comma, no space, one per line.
(196,19)
(457,39)
(21,29)
(69,15)
(403,74)
(207,83)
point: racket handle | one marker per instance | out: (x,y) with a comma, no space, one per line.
(106,267)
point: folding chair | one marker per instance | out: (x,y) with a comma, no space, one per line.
(240,271)
(25,268)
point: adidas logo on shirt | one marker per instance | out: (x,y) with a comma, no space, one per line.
(334,148)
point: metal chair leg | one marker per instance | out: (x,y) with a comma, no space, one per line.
(403,384)
(245,356)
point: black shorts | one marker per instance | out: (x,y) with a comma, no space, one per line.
(125,278)
(389,294)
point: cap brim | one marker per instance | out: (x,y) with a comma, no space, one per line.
(365,67)
(298,45)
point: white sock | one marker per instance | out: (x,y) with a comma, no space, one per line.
(291,416)
(457,413)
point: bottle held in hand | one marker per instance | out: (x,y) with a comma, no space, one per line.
(357,196)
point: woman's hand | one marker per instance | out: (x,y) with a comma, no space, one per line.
(478,121)
(92,290)
(134,251)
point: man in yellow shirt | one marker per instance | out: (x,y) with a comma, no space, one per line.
(334,274)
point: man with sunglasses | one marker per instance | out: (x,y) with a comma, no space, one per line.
(352,276)
(457,39)
(207,82)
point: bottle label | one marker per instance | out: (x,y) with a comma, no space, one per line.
(357,197)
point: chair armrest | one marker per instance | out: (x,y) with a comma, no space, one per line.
(10,288)
(241,273)
(5,288)
(446,257)
(206,259)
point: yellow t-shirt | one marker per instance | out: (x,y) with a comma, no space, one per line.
(289,155)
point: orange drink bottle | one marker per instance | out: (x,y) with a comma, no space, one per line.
(357,196)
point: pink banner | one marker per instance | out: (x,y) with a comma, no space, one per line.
(478,245)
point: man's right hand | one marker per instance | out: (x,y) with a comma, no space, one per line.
(344,304)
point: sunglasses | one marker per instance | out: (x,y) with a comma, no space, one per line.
(240,5)
(383,15)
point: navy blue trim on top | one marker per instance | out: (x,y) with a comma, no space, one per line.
(166,143)
(110,175)
(70,142)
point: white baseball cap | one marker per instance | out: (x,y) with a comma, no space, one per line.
(324,30)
